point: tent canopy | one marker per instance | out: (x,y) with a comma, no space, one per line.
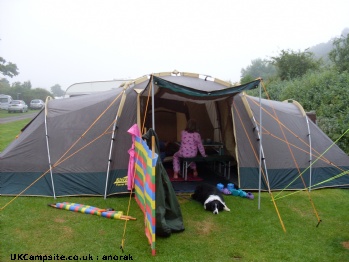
(192,87)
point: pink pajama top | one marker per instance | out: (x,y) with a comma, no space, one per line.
(190,144)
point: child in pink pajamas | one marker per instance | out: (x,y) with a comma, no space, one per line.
(190,144)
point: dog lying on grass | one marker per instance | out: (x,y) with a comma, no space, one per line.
(210,197)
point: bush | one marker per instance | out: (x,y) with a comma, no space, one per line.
(325,92)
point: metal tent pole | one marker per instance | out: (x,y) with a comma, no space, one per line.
(261,159)
(260,147)
(152,103)
(259,139)
(48,147)
(121,105)
(310,153)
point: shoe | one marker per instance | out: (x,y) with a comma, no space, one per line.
(230,186)
(235,192)
(250,195)
(226,191)
(220,187)
(242,193)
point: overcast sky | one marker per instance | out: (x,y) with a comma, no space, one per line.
(69,41)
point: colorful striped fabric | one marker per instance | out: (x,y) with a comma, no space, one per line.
(145,186)
(89,210)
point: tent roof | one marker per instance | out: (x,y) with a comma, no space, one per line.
(191,87)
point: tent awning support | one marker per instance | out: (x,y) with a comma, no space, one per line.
(152,103)
(121,105)
(260,148)
(310,153)
(261,160)
(48,147)
(261,151)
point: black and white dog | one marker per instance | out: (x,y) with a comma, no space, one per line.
(211,197)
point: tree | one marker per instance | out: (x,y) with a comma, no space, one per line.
(27,84)
(292,64)
(57,90)
(258,68)
(339,55)
(325,92)
(8,69)
(4,83)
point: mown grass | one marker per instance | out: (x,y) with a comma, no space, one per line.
(9,131)
(4,113)
(29,226)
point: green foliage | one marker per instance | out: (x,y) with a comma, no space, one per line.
(258,68)
(4,83)
(325,92)
(19,90)
(8,68)
(246,79)
(25,85)
(340,53)
(57,90)
(24,91)
(291,65)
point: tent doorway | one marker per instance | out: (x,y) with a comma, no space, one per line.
(214,120)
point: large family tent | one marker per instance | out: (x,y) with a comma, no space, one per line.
(79,145)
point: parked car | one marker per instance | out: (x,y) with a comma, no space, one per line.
(36,104)
(17,106)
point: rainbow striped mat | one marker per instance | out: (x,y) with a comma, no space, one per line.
(108,213)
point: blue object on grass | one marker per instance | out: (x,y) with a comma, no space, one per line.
(220,187)
(231,186)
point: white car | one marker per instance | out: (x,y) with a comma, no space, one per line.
(17,106)
(37,104)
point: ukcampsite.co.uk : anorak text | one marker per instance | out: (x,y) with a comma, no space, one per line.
(57,257)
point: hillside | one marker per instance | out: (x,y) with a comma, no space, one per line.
(321,50)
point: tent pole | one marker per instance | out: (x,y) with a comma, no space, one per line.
(310,153)
(260,147)
(152,103)
(259,139)
(262,159)
(48,148)
(121,105)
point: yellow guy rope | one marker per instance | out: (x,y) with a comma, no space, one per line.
(146,108)
(344,172)
(325,181)
(324,159)
(134,174)
(293,158)
(264,176)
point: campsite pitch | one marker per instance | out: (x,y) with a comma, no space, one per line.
(29,226)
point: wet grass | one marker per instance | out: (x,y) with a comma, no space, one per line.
(9,131)
(29,226)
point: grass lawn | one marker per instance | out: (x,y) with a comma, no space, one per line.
(9,131)
(29,226)
(4,113)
